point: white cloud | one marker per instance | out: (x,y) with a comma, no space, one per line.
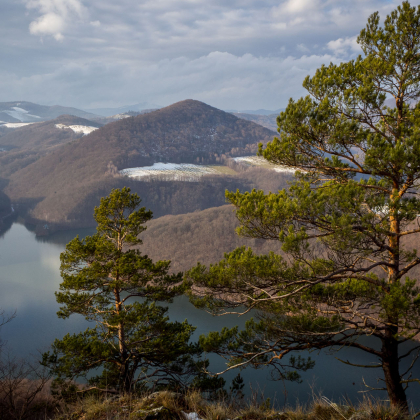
(221,79)
(298,6)
(344,45)
(48,24)
(302,48)
(56,16)
(234,54)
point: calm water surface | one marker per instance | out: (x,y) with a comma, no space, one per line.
(29,275)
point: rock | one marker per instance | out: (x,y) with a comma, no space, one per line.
(362,415)
(160,413)
(156,395)
(276,416)
(281,415)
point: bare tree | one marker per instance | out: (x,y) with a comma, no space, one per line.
(23,390)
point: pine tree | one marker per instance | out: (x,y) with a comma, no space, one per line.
(117,288)
(348,224)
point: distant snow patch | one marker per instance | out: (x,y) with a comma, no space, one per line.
(170,171)
(15,125)
(121,116)
(20,114)
(84,129)
(260,161)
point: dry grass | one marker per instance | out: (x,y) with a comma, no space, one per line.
(167,405)
(218,411)
(195,402)
(223,169)
(323,409)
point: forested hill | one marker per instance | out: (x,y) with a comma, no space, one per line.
(202,236)
(46,134)
(25,145)
(188,131)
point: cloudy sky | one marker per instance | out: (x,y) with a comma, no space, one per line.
(232,54)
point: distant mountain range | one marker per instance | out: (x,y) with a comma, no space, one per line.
(256,111)
(25,112)
(268,121)
(109,112)
(143,106)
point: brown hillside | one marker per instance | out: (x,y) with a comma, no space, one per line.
(163,197)
(27,144)
(205,236)
(202,236)
(188,131)
(45,135)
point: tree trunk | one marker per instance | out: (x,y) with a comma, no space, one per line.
(390,365)
(125,377)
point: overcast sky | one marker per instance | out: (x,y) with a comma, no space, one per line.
(232,54)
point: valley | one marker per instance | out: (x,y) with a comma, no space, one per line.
(57,170)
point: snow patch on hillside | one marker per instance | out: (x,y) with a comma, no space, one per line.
(170,171)
(121,116)
(83,129)
(20,114)
(16,125)
(260,161)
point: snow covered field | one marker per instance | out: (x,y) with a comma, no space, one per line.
(171,171)
(20,114)
(84,129)
(191,172)
(260,161)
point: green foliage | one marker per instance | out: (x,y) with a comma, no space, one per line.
(118,288)
(237,383)
(348,225)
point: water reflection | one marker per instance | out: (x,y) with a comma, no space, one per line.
(29,275)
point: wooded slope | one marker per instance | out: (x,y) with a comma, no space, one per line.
(58,184)
(25,145)
(201,236)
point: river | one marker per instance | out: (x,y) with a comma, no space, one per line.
(29,275)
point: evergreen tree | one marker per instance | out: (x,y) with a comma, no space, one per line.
(348,224)
(116,287)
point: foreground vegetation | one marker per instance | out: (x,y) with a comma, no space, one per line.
(169,405)
(191,405)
